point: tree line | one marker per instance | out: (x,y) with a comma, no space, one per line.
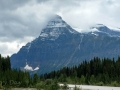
(14,77)
(5,63)
(97,71)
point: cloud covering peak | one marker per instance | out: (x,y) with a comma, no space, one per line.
(22,20)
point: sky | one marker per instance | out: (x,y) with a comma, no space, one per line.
(21,21)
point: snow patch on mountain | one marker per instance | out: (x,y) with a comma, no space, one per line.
(55,27)
(28,46)
(78,29)
(94,34)
(53,24)
(102,29)
(72,31)
(94,29)
(44,35)
(52,34)
(114,28)
(55,32)
(97,26)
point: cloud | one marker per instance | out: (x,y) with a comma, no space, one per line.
(29,68)
(22,20)
(37,68)
(8,46)
(90,12)
(20,23)
(11,4)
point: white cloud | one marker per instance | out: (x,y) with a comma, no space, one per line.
(9,47)
(37,68)
(28,68)
(26,18)
(91,12)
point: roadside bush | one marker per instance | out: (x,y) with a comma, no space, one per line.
(114,83)
(54,86)
(0,85)
(40,86)
(65,86)
(100,84)
(76,88)
(48,81)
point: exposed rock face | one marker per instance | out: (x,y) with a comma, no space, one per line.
(59,45)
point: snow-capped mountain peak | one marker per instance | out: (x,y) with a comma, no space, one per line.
(56,27)
(99,27)
(102,29)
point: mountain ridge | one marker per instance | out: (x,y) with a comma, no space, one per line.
(61,46)
(54,28)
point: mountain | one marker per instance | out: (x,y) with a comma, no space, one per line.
(102,29)
(59,45)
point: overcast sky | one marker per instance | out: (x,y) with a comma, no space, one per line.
(22,20)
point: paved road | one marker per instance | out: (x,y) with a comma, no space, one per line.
(90,87)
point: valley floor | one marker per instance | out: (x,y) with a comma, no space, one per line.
(90,87)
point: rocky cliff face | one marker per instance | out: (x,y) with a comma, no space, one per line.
(59,45)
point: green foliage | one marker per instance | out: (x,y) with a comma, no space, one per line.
(82,79)
(12,77)
(5,63)
(62,78)
(40,86)
(92,80)
(48,81)
(0,84)
(48,85)
(35,78)
(54,86)
(114,83)
(25,81)
(76,88)
(96,72)
(69,80)
(100,84)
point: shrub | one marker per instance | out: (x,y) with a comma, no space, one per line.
(65,86)
(100,84)
(76,88)
(40,86)
(114,83)
(54,86)
(0,84)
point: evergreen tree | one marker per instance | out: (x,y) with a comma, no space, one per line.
(35,78)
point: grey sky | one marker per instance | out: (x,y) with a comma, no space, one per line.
(22,20)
